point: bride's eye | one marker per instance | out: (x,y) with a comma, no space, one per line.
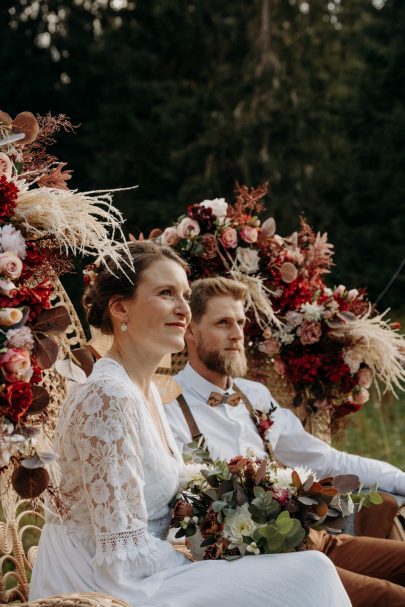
(166,292)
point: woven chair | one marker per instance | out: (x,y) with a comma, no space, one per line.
(17,554)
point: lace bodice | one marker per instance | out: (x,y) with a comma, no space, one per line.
(116,476)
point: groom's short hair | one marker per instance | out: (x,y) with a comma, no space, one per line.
(204,289)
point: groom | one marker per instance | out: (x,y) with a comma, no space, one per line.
(372,570)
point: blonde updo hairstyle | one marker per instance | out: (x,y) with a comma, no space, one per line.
(113,281)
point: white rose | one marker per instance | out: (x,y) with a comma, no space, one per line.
(12,240)
(218,206)
(248,260)
(190,474)
(239,524)
(353,359)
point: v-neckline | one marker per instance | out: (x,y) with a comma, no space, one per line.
(169,450)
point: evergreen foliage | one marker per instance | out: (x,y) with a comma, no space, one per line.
(185,97)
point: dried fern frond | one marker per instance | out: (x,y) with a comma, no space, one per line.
(81,222)
(380,347)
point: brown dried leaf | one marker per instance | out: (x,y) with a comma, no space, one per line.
(54,321)
(29,483)
(296,479)
(84,359)
(46,351)
(345,483)
(261,472)
(40,400)
(320,509)
(5,118)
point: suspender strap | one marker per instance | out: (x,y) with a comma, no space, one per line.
(198,435)
(191,423)
(254,416)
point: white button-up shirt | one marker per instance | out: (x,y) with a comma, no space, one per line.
(229,431)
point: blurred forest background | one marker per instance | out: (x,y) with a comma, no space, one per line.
(186,97)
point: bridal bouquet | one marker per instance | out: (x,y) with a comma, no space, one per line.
(250,505)
(327,343)
(42,223)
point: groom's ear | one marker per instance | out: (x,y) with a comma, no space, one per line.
(190,335)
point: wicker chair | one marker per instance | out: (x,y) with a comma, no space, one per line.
(19,534)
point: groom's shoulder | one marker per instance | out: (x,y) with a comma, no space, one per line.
(253,389)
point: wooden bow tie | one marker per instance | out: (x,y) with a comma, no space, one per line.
(215,398)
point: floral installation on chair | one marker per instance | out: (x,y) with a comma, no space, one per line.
(42,224)
(328,345)
(249,505)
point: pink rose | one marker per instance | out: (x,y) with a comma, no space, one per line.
(269,346)
(361,396)
(10,265)
(310,332)
(210,246)
(188,228)
(352,294)
(170,237)
(229,238)
(340,291)
(6,166)
(249,234)
(365,377)
(15,365)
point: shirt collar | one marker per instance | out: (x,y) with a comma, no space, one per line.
(200,385)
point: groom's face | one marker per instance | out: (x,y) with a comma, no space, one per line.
(218,337)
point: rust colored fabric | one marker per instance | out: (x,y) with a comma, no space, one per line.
(377,521)
(372,569)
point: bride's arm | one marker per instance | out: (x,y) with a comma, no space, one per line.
(109,446)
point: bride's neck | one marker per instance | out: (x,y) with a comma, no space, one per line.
(139,366)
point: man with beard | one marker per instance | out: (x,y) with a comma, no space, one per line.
(217,405)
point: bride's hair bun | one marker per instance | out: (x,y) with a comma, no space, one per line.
(108,280)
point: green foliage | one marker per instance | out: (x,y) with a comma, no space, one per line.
(184,97)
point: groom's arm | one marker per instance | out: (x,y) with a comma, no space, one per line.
(295,447)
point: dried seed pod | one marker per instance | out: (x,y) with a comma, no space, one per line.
(5,118)
(26,123)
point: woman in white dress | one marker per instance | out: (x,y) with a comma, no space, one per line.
(120,468)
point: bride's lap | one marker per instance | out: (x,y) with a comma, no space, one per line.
(283,580)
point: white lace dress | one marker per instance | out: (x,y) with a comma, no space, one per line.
(117,479)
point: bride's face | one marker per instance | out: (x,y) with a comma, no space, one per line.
(158,313)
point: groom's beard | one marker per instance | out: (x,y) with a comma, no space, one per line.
(232,366)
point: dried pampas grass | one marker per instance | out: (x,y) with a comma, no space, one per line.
(258,299)
(380,347)
(81,222)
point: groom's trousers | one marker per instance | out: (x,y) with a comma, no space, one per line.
(372,570)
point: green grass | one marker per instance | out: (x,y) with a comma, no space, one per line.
(378,431)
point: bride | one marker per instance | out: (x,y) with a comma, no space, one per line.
(120,468)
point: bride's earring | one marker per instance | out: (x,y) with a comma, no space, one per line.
(124,325)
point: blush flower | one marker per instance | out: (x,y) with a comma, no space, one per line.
(249,234)
(365,377)
(6,166)
(229,238)
(170,237)
(310,332)
(188,228)
(10,265)
(15,365)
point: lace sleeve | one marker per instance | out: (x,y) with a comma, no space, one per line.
(107,430)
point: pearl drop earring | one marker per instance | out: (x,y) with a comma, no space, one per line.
(124,326)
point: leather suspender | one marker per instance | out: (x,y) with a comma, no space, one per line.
(191,423)
(198,435)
